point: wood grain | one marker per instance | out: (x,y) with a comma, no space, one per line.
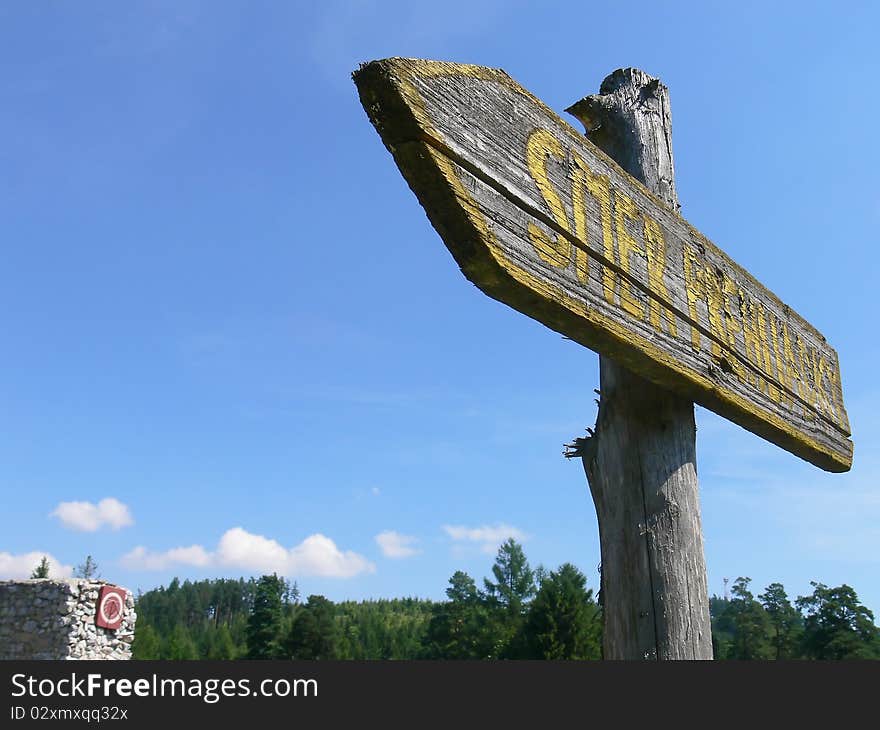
(641,458)
(539,218)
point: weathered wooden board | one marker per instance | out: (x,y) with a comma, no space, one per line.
(539,218)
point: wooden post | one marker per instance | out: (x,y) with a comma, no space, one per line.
(641,460)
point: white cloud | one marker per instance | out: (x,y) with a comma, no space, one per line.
(142,559)
(21,566)
(395,545)
(88,517)
(245,550)
(488,537)
(317,555)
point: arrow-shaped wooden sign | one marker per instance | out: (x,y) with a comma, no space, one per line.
(540,219)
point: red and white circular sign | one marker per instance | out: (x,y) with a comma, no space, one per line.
(111,607)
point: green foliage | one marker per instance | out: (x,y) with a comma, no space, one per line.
(232,619)
(314,633)
(830,623)
(837,625)
(462,588)
(563,621)
(219,644)
(147,643)
(723,629)
(264,623)
(506,601)
(42,570)
(205,608)
(460,628)
(87,570)
(515,581)
(751,624)
(786,622)
(383,629)
(180,645)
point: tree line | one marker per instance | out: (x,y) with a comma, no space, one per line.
(829,623)
(516,613)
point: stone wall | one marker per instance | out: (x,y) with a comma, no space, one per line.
(55,619)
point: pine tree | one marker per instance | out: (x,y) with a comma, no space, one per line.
(180,645)
(314,633)
(563,620)
(88,570)
(459,628)
(785,620)
(507,598)
(751,624)
(837,625)
(222,645)
(515,581)
(264,624)
(723,629)
(462,588)
(146,644)
(42,570)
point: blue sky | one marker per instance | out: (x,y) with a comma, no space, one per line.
(232,342)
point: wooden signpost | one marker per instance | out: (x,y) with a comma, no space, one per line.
(540,218)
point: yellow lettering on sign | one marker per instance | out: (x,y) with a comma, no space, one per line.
(807,389)
(542,145)
(781,372)
(695,292)
(792,373)
(600,188)
(772,389)
(579,208)
(732,325)
(784,363)
(625,209)
(820,376)
(702,284)
(754,335)
(712,281)
(751,336)
(655,247)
